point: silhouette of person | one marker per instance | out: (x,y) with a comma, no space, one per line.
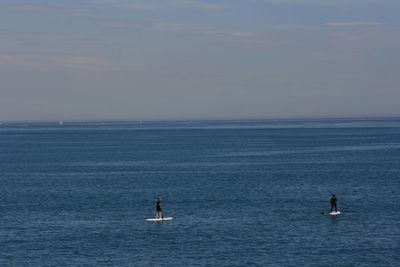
(159,213)
(333,202)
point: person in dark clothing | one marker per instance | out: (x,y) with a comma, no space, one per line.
(333,203)
(159,213)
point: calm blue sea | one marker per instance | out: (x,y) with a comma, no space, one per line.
(242,193)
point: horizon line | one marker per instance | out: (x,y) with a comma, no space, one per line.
(201,120)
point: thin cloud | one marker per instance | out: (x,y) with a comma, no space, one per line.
(149,5)
(45,62)
(133,5)
(30,7)
(354,24)
(197,4)
(83,9)
(173,27)
(355,43)
(325,2)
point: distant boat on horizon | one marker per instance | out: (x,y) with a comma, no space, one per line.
(61,123)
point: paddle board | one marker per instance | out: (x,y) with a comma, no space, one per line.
(334,213)
(159,219)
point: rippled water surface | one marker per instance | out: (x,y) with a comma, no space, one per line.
(241,193)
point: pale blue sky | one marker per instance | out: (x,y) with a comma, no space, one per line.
(192,59)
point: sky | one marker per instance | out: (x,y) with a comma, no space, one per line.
(81,60)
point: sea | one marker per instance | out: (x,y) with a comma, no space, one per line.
(241,193)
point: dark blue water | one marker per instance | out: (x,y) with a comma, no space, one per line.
(241,193)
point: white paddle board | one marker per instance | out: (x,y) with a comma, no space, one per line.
(159,219)
(334,213)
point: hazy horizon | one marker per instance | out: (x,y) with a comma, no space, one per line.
(361,118)
(121,60)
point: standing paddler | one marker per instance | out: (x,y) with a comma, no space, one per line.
(159,213)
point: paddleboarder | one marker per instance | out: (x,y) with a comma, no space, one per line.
(159,213)
(333,202)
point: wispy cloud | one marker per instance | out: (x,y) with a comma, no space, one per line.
(356,42)
(197,4)
(152,5)
(133,5)
(354,24)
(326,2)
(45,62)
(29,7)
(174,27)
(68,8)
